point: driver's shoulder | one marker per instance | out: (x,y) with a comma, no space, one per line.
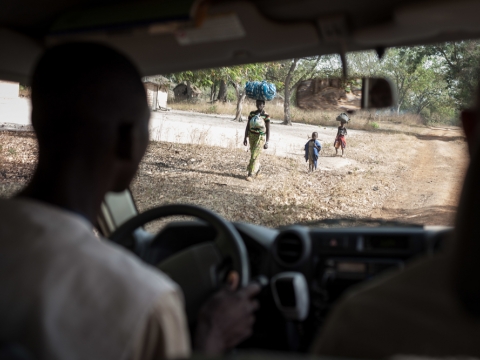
(61,244)
(61,270)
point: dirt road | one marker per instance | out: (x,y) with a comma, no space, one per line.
(430,185)
(410,175)
(218,130)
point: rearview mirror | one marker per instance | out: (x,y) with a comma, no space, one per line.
(377,93)
(345,95)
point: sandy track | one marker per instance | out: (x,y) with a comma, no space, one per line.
(413,174)
(218,130)
(430,186)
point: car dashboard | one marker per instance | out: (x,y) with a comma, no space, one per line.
(306,270)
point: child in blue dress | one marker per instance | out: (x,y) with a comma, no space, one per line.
(312,150)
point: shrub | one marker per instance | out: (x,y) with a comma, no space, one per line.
(212,109)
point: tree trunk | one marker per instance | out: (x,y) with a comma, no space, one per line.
(189,91)
(213,92)
(238,115)
(286,107)
(286,102)
(222,92)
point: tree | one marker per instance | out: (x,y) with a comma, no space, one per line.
(202,78)
(287,75)
(224,76)
(237,76)
(435,81)
(428,89)
(222,92)
(401,66)
(461,61)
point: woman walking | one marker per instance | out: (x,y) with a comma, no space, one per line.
(258,134)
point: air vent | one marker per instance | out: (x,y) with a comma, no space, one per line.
(291,247)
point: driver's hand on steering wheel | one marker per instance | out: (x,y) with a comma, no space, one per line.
(227,318)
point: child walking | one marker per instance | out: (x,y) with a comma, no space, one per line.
(312,150)
(340,140)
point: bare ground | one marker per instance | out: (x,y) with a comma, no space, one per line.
(430,187)
(414,177)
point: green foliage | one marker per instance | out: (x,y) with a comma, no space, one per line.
(434,81)
(374,125)
(212,109)
(461,68)
(277,72)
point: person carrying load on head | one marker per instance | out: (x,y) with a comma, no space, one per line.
(340,140)
(312,151)
(258,133)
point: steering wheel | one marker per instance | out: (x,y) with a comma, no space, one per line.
(196,269)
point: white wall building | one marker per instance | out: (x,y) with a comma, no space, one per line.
(157,91)
(9,89)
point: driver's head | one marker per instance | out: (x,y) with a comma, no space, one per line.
(89,107)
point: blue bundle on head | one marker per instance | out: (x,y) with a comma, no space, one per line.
(260,90)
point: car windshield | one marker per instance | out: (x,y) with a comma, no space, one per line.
(398,165)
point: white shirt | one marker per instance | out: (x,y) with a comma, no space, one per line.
(65,294)
(414,312)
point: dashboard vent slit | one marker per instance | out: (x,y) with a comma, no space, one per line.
(289,250)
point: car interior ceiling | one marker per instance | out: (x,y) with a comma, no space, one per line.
(288,29)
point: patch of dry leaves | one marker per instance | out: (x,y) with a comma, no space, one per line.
(18,157)
(214,178)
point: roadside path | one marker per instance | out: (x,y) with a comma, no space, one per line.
(430,186)
(202,129)
(219,130)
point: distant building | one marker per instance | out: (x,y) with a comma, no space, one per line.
(9,89)
(157,91)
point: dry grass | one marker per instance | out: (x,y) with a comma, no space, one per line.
(361,120)
(213,177)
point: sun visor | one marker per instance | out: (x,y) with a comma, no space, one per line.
(167,15)
(19,55)
(231,33)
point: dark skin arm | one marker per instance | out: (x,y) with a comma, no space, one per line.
(267,126)
(245,142)
(226,319)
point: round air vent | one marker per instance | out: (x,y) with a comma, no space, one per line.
(291,247)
